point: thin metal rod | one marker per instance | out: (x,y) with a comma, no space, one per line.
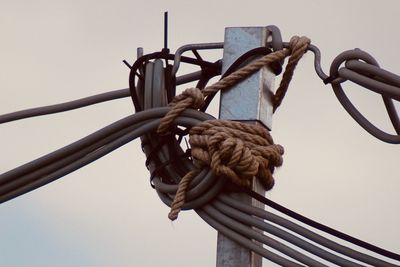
(166,30)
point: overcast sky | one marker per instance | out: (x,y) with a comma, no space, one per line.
(106,214)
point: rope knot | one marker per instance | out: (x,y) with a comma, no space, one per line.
(190,98)
(298,43)
(236,151)
(194,95)
(231,158)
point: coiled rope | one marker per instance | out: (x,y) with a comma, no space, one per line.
(234,150)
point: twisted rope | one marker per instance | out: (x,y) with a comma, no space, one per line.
(180,194)
(194,97)
(298,46)
(236,150)
(233,150)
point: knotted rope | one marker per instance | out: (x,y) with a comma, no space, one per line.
(236,150)
(194,97)
(233,150)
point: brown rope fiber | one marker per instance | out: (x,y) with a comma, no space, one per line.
(298,46)
(194,97)
(233,150)
(236,150)
(180,194)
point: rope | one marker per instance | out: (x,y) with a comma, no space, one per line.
(233,150)
(236,151)
(194,97)
(234,219)
(298,46)
(180,194)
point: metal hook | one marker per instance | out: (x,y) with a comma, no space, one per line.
(276,42)
(189,47)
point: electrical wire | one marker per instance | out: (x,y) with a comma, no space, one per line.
(216,219)
(66,106)
(261,225)
(361,68)
(87,101)
(246,242)
(294,227)
(322,227)
(249,232)
(136,126)
(168,163)
(142,60)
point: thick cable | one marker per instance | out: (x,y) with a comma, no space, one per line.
(338,75)
(302,231)
(253,234)
(70,105)
(374,85)
(163,55)
(198,202)
(383,76)
(246,242)
(89,140)
(85,162)
(361,120)
(18,181)
(322,227)
(87,159)
(205,187)
(269,228)
(199,185)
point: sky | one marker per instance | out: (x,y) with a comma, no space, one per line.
(106,214)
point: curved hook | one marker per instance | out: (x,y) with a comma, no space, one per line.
(276,42)
(188,47)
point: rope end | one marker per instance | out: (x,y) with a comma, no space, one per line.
(173,215)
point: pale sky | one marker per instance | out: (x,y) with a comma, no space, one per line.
(106,214)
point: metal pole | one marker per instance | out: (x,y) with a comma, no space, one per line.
(248,101)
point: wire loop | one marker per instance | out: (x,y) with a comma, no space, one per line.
(362,69)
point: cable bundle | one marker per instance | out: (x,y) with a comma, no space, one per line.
(363,69)
(210,196)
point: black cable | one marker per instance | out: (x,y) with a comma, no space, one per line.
(167,161)
(247,231)
(161,55)
(240,62)
(170,83)
(245,242)
(164,164)
(322,227)
(260,224)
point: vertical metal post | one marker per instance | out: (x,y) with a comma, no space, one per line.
(248,101)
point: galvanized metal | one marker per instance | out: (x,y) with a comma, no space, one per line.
(248,101)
